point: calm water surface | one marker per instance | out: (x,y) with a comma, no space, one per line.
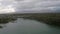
(26,26)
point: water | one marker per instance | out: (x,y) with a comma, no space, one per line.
(26,26)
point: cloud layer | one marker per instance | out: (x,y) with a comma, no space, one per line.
(7,6)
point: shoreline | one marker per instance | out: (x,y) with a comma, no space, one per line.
(48,18)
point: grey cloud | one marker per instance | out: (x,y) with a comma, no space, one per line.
(37,5)
(19,0)
(33,5)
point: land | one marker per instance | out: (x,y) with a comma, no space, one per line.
(48,18)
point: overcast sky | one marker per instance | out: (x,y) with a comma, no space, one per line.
(8,6)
